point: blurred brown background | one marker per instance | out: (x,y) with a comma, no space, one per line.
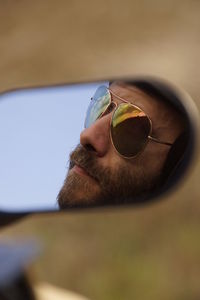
(149,252)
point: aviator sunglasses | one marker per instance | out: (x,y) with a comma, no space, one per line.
(130,127)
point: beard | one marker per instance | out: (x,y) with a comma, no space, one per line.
(119,184)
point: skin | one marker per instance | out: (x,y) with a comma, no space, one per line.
(99,175)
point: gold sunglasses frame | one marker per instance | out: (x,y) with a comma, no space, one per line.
(149,138)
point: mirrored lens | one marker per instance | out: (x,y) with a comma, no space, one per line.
(98,105)
(130,129)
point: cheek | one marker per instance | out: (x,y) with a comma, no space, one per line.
(112,160)
(150,161)
(153,158)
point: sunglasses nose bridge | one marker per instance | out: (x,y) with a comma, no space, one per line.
(111,108)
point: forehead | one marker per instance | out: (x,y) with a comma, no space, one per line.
(136,96)
(155,108)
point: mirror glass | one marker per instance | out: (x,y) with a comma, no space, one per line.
(37,133)
(128,126)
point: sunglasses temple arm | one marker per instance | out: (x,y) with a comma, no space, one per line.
(159,142)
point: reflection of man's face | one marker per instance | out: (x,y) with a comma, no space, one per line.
(98,175)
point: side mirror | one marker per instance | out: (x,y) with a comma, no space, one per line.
(39,127)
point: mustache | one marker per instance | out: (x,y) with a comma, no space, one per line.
(88,161)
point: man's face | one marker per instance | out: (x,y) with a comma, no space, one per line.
(99,175)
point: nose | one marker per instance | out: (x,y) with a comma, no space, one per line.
(96,138)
